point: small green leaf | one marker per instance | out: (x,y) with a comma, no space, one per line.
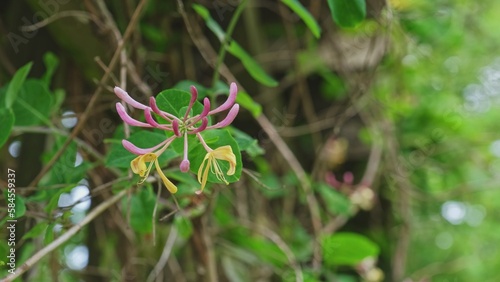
(336,203)
(209,21)
(184,226)
(51,63)
(7,118)
(49,234)
(345,248)
(347,13)
(20,206)
(16,84)
(304,14)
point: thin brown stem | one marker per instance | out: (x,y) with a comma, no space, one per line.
(95,97)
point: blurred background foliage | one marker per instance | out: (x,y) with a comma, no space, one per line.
(369,138)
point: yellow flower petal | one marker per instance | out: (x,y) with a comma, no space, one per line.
(225,153)
(203,173)
(137,165)
(170,186)
(210,163)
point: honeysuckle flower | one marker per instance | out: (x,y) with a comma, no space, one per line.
(180,127)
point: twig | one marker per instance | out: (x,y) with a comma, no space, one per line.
(95,96)
(65,237)
(63,14)
(164,255)
(52,130)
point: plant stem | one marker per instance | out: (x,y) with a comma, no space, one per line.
(227,38)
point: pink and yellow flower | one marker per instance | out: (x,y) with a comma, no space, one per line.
(181,127)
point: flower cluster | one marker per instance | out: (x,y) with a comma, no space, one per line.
(361,195)
(181,128)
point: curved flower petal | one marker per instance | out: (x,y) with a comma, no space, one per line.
(228,119)
(225,153)
(203,172)
(154,107)
(127,119)
(170,186)
(123,95)
(203,126)
(140,151)
(194,97)
(139,167)
(152,122)
(175,127)
(206,109)
(233,91)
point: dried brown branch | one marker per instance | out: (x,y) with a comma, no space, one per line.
(65,237)
(95,97)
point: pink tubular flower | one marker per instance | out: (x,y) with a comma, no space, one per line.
(179,126)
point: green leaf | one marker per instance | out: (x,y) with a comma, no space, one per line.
(347,13)
(16,83)
(336,203)
(7,118)
(304,14)
(345,248)
(33,103)
(65,169)
(209,21)
(215,139)
(49,234)
(173,101)
(184,226)
(36,231)
(251,65)
(51,63)
(235,49)
(18,201)
(54,199)
(20,206)
(246,142)
(141,210)
(248,103)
